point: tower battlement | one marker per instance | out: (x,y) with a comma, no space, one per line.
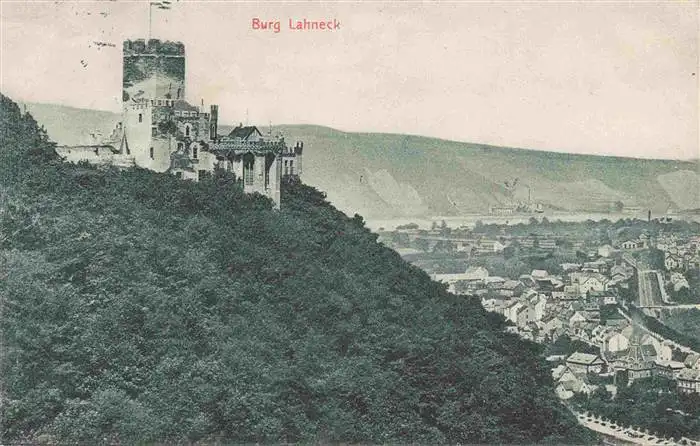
(154,47)
(153,70)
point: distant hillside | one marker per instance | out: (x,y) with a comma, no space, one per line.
(389,176)
(140,308)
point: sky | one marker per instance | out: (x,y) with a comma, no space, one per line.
(599,78)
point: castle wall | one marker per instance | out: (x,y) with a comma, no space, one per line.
(161,130)
(137,126)
(97,154)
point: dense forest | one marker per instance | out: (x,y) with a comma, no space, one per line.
(136,306)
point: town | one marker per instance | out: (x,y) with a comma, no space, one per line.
(614,304)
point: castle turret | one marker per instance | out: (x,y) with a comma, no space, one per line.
(213,122)
(153,84)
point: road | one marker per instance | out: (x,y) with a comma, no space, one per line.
(649,290)
(624,435)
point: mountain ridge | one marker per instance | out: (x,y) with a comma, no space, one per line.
(388,175)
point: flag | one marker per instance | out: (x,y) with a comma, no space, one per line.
(165,4)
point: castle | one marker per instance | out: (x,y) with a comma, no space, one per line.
(161,131)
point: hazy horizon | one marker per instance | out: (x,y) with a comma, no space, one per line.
(603,79)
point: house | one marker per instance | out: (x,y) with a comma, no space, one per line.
(692,361)
(492,280)
(597,266)
(552,323)
(689,381)
(558,295)
(631,244)
(599,333)
(585,362)
(570,382)
(577,319)
(605,251)
(607,299)
(246,133)
(665,351)
(668,369)
(639,359)
(536,306)
(558,371)
(508,288)
(672,262)
(548,284)
(570,292)
(512,310)
(592,282)
(679,281)
(521,316)
(476,273)
(569,267)
(490,247)
(621,272)
(539,274)
(567,389)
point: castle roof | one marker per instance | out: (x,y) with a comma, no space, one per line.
(689,375)
(244,132)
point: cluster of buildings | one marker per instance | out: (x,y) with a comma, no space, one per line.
(680,253)
(161,131)
(581,303)
(585,372)
(430,240)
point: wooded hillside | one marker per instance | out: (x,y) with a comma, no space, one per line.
(136,306)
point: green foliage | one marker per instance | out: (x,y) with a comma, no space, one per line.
(139,307)
(566,346)
(685,322)
(167,128)
(652,404)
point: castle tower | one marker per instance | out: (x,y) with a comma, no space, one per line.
(153,70)
(153,81)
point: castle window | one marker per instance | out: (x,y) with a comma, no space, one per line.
(194,152)
(140,117)
(187,130)
(291,167)
(286,167)
(151,152)
(248,165)
(154,131)
(179,147)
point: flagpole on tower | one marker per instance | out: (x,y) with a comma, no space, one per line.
(150,9)
(163,4)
